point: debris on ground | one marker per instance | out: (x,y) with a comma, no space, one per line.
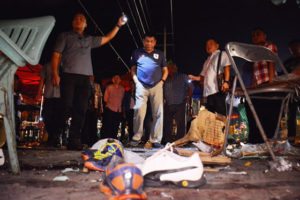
(281,165)
(61,178)
(68,169)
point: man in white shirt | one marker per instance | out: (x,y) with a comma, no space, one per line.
(215,97)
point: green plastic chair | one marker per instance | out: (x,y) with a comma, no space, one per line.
(21,42)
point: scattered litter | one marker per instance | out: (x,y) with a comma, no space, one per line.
(238,173)
(166,195)
(1,157)
(70,170)
(132,157)
(203,147)
(261,150)
(96,180)
(297,167)
(85,170)
(233,152)
(248,164)
(61,178)
(266,171)
(227,167)
(281,165)
(209,169)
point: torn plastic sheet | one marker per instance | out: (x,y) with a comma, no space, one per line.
(281,165)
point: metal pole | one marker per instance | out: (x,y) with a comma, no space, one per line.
(165,41)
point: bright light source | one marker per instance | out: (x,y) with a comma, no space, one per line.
(124,18)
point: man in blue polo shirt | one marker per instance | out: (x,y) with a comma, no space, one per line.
(73,51)
(149,71)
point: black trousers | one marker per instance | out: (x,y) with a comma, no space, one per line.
(267,112)
(89,131)
(216,103)
(293,106)
(111,122)
(176,112)
(128,119)
(75,93)
(52,117)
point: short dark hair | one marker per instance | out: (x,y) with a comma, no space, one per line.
(78,12)
(149,34)
(214,39)
(294,42)
(258,29)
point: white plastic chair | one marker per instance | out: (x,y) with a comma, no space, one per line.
(21,42)
(255,53)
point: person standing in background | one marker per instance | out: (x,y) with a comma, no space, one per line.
(176,92)
(112,116)
(292,65)
(263,73)
(51,106)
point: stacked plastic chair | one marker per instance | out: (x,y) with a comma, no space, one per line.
(21,42)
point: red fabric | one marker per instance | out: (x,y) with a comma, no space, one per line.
(29,79)
(261,70)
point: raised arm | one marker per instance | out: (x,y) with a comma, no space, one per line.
(108,37)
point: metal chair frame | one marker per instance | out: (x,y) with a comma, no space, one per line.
(255,53)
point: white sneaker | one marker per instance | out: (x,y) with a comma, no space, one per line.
(166,167)
(1,157)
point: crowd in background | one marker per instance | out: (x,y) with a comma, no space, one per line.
(153,107)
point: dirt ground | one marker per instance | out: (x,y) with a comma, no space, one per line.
(243,179)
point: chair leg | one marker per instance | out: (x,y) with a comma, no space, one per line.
(12,146)
(8,119)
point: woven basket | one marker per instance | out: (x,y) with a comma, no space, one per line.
(207,127)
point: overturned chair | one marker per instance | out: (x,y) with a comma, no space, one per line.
(21,42)
(284,87)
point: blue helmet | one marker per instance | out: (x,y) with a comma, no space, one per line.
(109,153)
(124,181)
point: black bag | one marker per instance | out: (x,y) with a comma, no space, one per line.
(220,77)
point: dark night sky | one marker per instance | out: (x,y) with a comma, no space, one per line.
(194,22)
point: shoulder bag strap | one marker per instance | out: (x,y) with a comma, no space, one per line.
(218,65)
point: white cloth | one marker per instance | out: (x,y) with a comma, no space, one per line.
(209,72)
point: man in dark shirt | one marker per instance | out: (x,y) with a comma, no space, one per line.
(149,72)
(73,51)
(176,90)
(292,65)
